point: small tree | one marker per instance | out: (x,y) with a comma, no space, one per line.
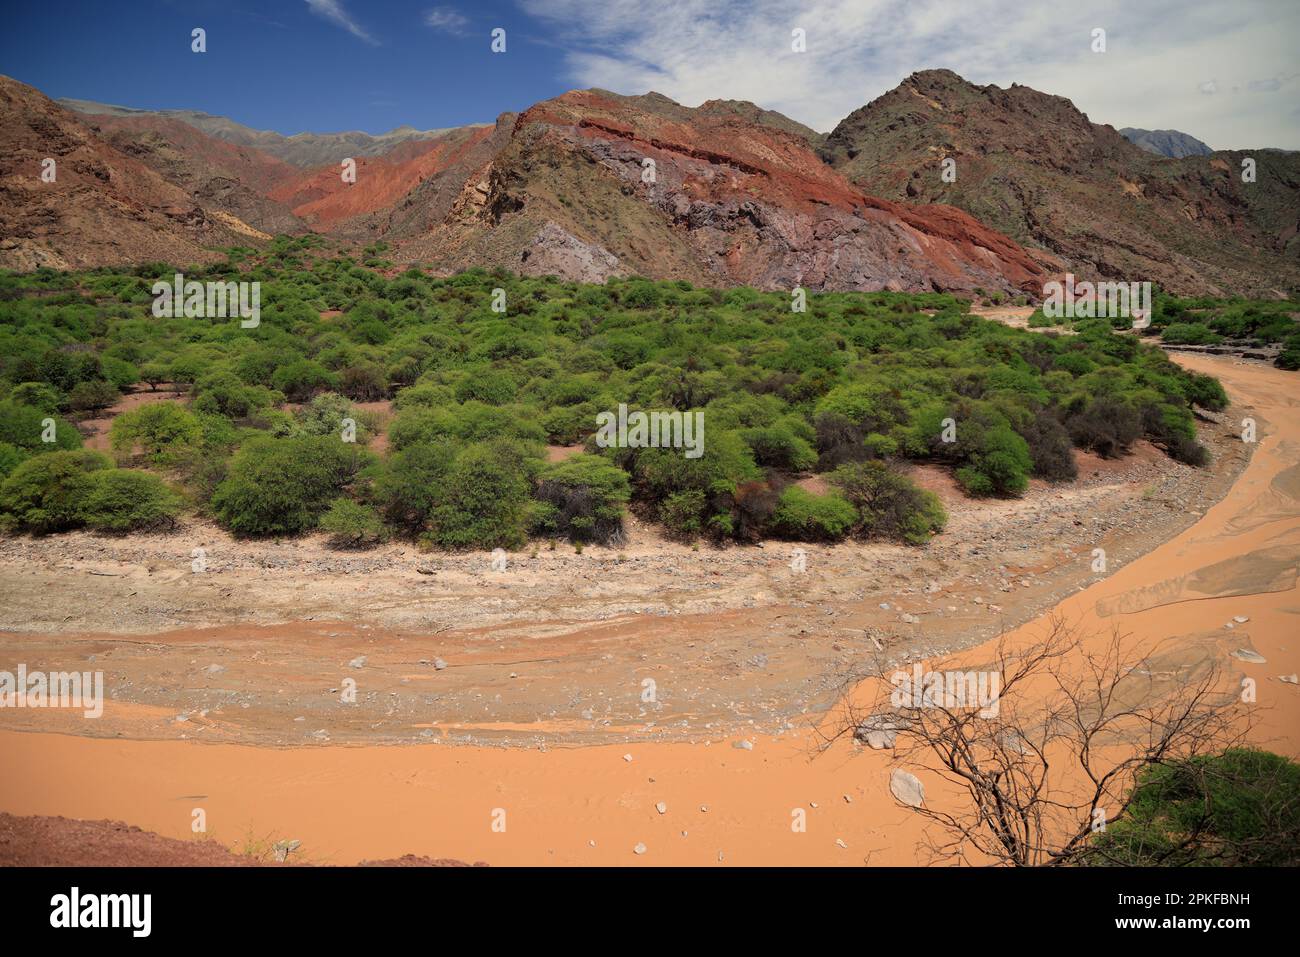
(1057,761)
(352,525)
(125,500)
(92,395)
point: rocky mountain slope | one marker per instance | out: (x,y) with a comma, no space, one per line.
(592,184)
(418,176)
(238,180)
(102,206)
(1078,194)
(1169,143)
(734,195)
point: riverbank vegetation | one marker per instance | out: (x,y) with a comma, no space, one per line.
(267,434)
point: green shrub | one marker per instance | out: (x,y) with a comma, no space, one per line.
(586,495)
(411,482)
(47,493)
(1190,333)
(471,422)
(1235,809)
(683,513)
(484,502)
(154,374)
(352,525)
(777,447)
(165,431)
(1050,449)
(1206,392)
(303,378)
(92,396)
(38,395)
(725,460)
(1107,427)
(124,500)
(10,458)
(225,394)
(804,516)
(282,486)
(1001,465)
(325,413)
(889,504)
(25,427)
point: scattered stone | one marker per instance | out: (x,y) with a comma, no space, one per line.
(215,669)
(907,788)
(627,757)
(358,662)
(639,849)
(880,731)
(839,842)
(439,664)
(743,745)
(661,807)
(1250,655)
(1240,619)
(1289,679)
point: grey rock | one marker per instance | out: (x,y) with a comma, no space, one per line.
(907,788)
(880,731)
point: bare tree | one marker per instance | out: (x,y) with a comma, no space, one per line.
(1029,779)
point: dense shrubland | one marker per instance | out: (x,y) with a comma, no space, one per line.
(1210,321)
(854,389)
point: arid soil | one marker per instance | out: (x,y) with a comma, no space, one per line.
(61,842)
(558,646)
(551,656)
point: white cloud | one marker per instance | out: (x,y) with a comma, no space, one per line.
(446,20)
(1157,53)
(332,10)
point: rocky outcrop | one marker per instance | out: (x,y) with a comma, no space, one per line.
(1077,194)
(99,206)
(715,195)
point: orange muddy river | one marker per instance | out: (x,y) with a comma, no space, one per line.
(696,803)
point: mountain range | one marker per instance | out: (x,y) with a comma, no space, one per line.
(1169,143)
(593,184)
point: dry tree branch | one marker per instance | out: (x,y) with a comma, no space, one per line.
(1058,754)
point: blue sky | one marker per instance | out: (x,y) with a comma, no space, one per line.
(1223,71)
(276,64)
